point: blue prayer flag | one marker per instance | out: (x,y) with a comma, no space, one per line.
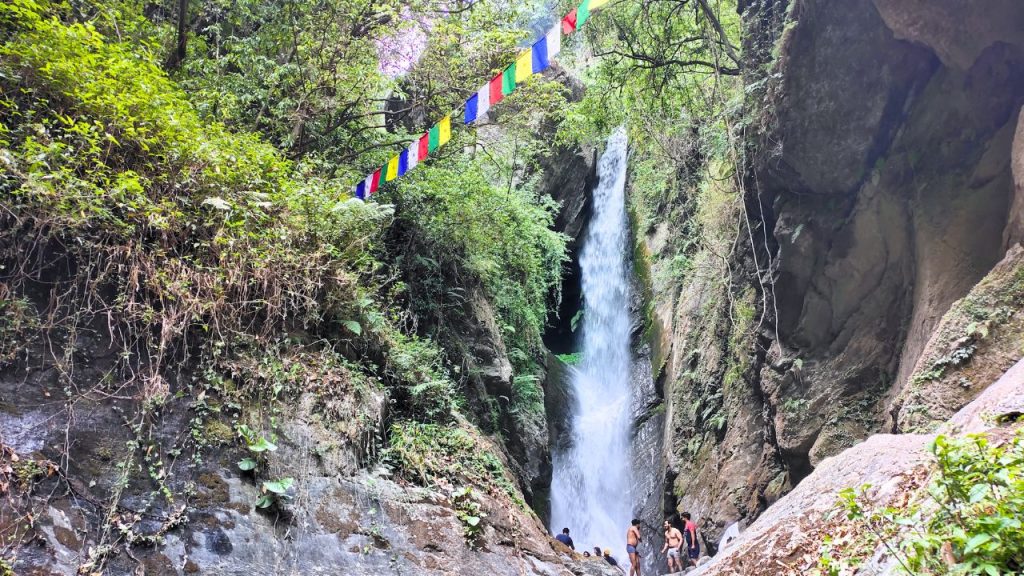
(403,162)
(361,190)
(540,55)
(471,106)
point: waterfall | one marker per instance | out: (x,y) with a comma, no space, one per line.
(590,485)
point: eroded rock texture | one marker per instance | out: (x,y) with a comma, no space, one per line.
(885,185)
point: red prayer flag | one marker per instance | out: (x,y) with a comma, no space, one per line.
(569,22)
(495,90)
(374,182)
(424,146)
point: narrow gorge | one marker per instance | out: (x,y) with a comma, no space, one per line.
(391,288)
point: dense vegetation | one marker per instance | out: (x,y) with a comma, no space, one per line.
(193,207)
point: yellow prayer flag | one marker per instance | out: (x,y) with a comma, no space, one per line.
(524,65)
(392,172)
(595,4)
(445,130)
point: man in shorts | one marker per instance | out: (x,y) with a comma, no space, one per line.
(632,541)
(673,542)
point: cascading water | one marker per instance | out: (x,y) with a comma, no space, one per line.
(590,485)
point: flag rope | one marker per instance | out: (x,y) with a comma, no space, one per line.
(533,60)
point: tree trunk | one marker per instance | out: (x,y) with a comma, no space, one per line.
(177,55)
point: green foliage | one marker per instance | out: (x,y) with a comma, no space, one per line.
(454,455)
(275,492)
(527,395)
(979,492)
(19,325)
(502,237)
(573,359)
(967,521)
(470,513)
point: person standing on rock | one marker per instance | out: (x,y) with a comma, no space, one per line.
(565,539)
(632,541)
(690,534)
(673,543)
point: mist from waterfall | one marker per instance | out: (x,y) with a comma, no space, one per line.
(590,485)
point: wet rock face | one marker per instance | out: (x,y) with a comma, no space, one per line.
(889,186)
(979,338)
(912,191)
(792,532)
(339,519)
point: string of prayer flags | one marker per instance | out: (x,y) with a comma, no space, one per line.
(533,60)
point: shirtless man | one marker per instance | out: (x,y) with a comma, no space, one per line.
(632,540)
(673,541)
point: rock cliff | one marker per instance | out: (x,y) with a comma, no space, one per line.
(882,184)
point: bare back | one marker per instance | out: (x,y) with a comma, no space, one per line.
(633,536)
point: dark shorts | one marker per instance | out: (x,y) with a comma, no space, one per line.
(630,549)
(694,553)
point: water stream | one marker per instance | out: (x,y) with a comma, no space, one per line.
(590,486)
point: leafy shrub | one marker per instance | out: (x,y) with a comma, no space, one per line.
(978,522)
(970,519)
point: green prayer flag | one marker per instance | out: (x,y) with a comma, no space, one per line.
(582,13)
(433,138)
(508,79)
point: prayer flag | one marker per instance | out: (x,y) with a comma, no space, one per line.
(361,189)
(470,115)
(540,55)
(508,79)
(435,135)
(403,162)
(554,38)
(524,66)
(374,181)
(569,22)
(483,103)
(586,7)
(424,146)
(414,154)
(445,129)
(494,87)
(392,172)
(582,13)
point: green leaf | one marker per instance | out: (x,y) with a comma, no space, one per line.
(265,501)
(280,486)
(247,464)
(978,493)
(353,327)
(262,445)
(975,541)
(472,520)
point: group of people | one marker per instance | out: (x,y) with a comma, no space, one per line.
(681,548)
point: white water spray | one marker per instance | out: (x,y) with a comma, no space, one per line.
(590,485)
